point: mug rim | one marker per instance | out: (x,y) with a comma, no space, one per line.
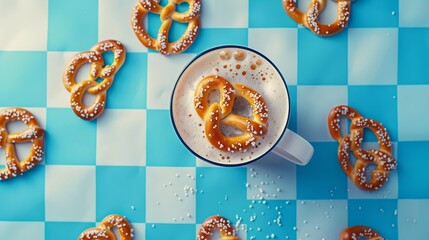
(174,90)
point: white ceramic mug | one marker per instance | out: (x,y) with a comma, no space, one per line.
(255,71)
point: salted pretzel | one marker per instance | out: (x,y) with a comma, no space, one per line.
(381,157)
(104,231)
(310,19)
(358,232)
(220,223)
(168,14)
(98,70)
(218,113)
(34,134)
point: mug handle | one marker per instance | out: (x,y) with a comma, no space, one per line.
(294,148)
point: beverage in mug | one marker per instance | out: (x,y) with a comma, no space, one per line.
(230,106)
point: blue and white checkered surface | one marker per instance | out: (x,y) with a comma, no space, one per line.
(130,161)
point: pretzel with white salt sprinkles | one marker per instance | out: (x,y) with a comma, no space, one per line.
(168,14)
(220,112)
(34,134)
(310,19)
(98,70)
(220,223)
(358,232)
(104,231)
(381,157)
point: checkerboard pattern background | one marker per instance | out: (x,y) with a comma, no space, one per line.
(130,162)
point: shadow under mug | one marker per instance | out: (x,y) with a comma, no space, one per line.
(288,145)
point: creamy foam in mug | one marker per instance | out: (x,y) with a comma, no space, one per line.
(237,65)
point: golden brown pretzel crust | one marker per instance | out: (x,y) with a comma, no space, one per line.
(168,14)
(311,18)
(107,73)
(104,230)
(382,157)
(220,113)
(220,223)
(357,232)
(34,134)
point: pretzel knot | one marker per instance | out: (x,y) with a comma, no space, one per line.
(104,231)
(168,14)
(98,70)
(34,134)
(221,113)
(311,18)
(220,223)
(381,157)
(358,232)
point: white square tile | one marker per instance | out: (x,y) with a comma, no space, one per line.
(321,219)
(24,25)
(271,178)
(314,105)
(413,113)
(170,195)
(114,22)
(225,14)
(22,230)
(373,56)
(413,217)
(70,193)
(125,132)
(388,191)
(163,72)
(280,46)
(58,96)
(139,230)
(413,13)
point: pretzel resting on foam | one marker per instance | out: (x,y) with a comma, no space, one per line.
(168,14)
(358,232)
(220,223)
(98,70)
(220,112)
(104,231)
(34,134)
(311,18)
(381,157)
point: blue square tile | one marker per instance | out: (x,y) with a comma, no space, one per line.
(413,113)
(223,195)
(324,163)
(20,195)
(113,183)
(269,14)
(23,82)
(292,125)
(314,50)
(378,103)
(377,214)
(413,56)
(163,146)
(213,37)
(65,230)
(65,132)
(412,170)
(171,231)
(374,14)
(133,74)
(73,25)
(269,217)
(413,218)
